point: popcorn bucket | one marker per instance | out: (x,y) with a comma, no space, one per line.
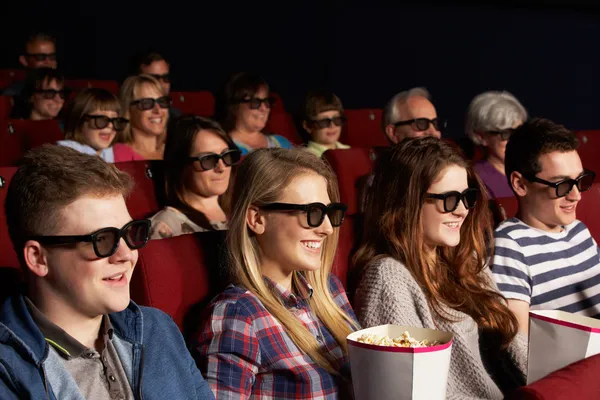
(557,339)
(384,372)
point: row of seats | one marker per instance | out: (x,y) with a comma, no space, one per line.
(18,136)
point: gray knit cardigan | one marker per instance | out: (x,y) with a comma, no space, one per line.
(388,294)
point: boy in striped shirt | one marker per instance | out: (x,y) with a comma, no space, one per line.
(545,259)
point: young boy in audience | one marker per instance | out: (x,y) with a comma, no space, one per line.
(323,120)
(545,258)
(75,333)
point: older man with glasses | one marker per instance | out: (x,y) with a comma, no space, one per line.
(411,114)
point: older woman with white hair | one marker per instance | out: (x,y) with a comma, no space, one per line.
(491,119)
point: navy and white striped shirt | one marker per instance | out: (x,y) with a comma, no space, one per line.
(550,271)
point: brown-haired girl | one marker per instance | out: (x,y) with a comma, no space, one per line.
(423,263)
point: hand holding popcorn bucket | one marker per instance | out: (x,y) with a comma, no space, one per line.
(399,362)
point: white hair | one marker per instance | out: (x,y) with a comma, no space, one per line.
(493,111)
(391,112)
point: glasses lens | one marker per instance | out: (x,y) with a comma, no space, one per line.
(254,103)
(231,157)
(336,216)
(315,216)
(564,188)
(120,123)
(505,134)
(145,104)
(163,102)
(451,201)
(338,121)
(470,198)
(209,162)
(166,78)
(421,124)
(48,94)
(100,122)
(585,182)
(322,123)
(105,242)
(137,234)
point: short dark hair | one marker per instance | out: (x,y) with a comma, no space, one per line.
(35,78)
(38,37)
(49,178)
(145,58)
(533,139)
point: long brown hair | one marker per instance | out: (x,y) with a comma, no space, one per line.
(261,179)
(393,228)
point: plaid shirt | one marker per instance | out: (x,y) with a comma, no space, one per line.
(244,352)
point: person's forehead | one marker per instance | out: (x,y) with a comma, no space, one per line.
(147,90)
(558,163)
(41,46)
(156,67)
(89,213)
(52,84)
(305,188)
(419,107)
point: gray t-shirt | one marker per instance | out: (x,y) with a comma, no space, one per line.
(99,376)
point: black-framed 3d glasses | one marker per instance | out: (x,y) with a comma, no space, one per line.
(102,121)
(166,78)
(503,134)
(326,122)
(39,57)
(315,212)
(148,103)
(209,161)
(255,102)
(452,199)
(422,124)
(49,94)
(106,240)
(563,187)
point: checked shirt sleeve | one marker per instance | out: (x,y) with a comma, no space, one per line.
(228,352)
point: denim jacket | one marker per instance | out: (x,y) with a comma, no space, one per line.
(150,347)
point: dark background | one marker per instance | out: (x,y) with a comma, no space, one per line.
(545,53)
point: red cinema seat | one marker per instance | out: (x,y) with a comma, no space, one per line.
(36,133)
(200,103)
(341,262)
(352,167)
(179,275)
(576,381)
(282,123)
(78,84)
(589,143)
(587,211)
(8,257)
(5,107)
(509,205)
(143,201)
(18,136)
(12,74)
(363,128)
(278,107)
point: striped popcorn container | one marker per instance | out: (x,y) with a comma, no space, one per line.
(387,372)
(557,339)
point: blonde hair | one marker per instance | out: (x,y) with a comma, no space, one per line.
(261,179)
(127,94)
(87,101)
